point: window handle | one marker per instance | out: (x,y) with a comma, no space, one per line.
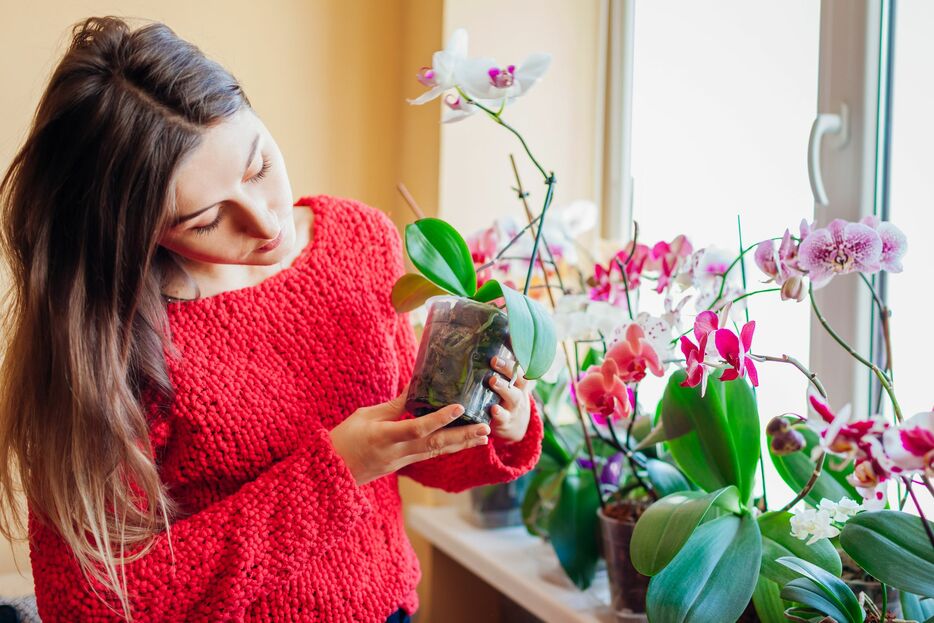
(824,123)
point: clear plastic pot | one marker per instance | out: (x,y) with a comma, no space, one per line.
(453,360)
(628,587)
(499,505)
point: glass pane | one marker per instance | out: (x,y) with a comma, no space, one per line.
(724,94)
(910,191)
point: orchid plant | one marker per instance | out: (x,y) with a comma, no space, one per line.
(710,545)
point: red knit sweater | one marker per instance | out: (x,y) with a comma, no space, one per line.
(275,527)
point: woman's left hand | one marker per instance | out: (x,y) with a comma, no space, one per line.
(511,416)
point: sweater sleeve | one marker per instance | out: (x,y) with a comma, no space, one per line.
(498,461)
(222,558)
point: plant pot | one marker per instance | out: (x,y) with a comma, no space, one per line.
(628,587)
(453,361)
(499,505)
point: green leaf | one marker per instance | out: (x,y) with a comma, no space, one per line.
(796,469)
(442,255)
(768,602)
(411,291)
(778,542)
(537,501)
(915,608)
(592,358)
(531,330)
(722,447)
(712,578)
(668,524)
(812,594)
(574,527)
(666,478)
(893,547)
(832,588)
(553,447)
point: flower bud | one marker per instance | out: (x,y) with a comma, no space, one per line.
(793,288)
(776,426)
(788,442)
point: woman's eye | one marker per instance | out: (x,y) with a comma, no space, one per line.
(263,171)
(206,229)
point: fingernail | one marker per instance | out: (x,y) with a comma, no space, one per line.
(495,362)
(494,381)
(458,411)
(483,431)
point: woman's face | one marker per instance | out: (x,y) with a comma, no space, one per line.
(233,197)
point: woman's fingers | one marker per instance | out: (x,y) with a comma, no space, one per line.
(506,368)
(447,441)
(511,396)
(401,431)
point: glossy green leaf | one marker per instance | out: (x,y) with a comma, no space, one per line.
(778,542)
(796,469)
(441,255)
(768,602)
(668,524)
(411,291)
(829,586)
(531,331)
(812,594)
(574,527)
(712,578)
(666,478)
(894,548)
(722,447)
(541,496)
(915,608)
(553,447)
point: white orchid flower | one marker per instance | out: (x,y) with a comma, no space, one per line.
(456,108)
(441,76)
(484,79)
(815,524)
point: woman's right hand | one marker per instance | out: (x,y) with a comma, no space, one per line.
(373,441)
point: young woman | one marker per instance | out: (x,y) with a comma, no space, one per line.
(203,384)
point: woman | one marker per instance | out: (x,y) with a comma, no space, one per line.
(203,386)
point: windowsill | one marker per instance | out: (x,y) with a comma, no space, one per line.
(522,567)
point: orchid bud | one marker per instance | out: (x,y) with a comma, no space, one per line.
(776,426)
(788,442)
(793,289)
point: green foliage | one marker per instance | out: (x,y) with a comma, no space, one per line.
(709,581)
(893,547)
(821,591)
(721,447)
(441,255)
(796,469)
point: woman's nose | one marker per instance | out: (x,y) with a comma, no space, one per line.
(261,222)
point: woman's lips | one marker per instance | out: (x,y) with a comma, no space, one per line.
(272,244)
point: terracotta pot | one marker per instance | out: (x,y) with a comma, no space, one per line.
(628,587)
(453,360)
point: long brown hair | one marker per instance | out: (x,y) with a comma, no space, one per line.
(84,204)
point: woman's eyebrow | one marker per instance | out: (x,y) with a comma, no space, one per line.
(249,159)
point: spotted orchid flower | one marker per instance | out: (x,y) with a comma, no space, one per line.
(485,79)
(839,249)
(779,264)
(842,434)
(603,393)
(634,355)
(894,243)
(441,76)
(910,446)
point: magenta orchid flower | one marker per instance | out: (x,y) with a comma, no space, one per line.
(894,243)
(603,285)
(911,445)
(839,249)
(634,355)
(694,356)
(666,258)
(603,393)
(735,351)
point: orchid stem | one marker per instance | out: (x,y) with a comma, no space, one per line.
(924,521)
(528,212)
(812,377)
(879,373)
(809,485)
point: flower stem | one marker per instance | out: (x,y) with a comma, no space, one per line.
(809,485)
(879,373)
(622,267)
(528,212)
(723,277)
(924,521)
(812,377)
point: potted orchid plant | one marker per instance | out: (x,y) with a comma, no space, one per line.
(466,327)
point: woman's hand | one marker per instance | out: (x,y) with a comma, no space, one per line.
(511,416)
(373,441)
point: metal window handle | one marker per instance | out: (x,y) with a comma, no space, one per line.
(824,123)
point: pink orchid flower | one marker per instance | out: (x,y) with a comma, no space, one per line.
(910,446)
(735,351)
(779,264)
(844,435)
(603,394)
(666,258)
(634,354)
(839,249)
(694,356)
(894,243)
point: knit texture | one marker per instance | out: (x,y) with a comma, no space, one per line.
(275,527)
